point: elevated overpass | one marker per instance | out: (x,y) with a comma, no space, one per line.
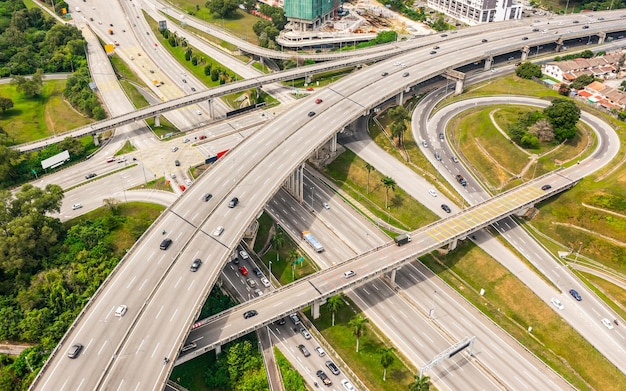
(226,326)
(468,39)
(163,297)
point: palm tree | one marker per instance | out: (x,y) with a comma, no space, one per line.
(357,324)
(386,359)
(334,302)
(278,240)
(369,169)
(293,256)
(420,383)
(389,183)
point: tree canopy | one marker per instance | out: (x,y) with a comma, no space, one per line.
(563,115)
(528,70)
(222,8)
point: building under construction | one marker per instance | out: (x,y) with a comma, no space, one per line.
(309,15)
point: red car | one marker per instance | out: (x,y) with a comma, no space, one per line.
(243,270)
(318,101)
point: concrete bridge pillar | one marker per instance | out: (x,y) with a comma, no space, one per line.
(218,349)
(559,44)
(452,245)
(392,277)
(525,52)
(315,308)
(400,98)
(211,109)
(157,121)
(488,63)
(307,79)
(601,37)
(294,183)
(522,212)
(333,143)
(458,88)
(458,77)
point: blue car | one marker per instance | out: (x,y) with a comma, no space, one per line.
(575,294)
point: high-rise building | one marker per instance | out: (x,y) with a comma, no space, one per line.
(475,12)
(308,15)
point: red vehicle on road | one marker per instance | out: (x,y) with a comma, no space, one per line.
(243,270)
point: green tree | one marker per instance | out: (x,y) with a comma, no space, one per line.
(389,183)
(563,115)
(30,87)
(564,89)
(420,383)
(528,70)
(386,359)
(582,81)
(5,104)
(357,324)
(369,169)
(334,302)
(222,8)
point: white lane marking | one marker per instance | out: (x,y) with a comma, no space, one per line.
(131,282)
(158,313)
(173,315)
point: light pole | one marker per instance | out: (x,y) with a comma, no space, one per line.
(311,198)
(271,269)
(578,252)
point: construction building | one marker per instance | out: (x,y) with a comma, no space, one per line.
(309,15)
(473,12)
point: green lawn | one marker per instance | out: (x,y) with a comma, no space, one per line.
(35,118)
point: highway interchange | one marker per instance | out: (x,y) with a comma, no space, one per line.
(160,277)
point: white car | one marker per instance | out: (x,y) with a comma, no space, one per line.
(198,112)
(265,282)
(258,292)
(218,231)
(432,193)
(121,310)
(347,385)
(243,254)
(174,149)
(607,323)
(557,303)
(320,351)
(76,206)
(326,206)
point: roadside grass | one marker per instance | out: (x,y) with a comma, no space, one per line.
(365,363)
(165,127)
(123,71)
(263,68)
(469,269)
(134,95)
(320,79)
(191,374)
(35,118)
(209,37)
(126,148)
(348,172)
(178,53)
(125,236)
(239,25)
(156,184)
(292,379)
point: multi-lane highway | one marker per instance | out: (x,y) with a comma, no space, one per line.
(163,296)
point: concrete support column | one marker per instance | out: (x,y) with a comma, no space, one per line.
(400,98)
(488,63)
(559,45)
(333,143)
(522,212)
(525,52)
(307,79)
(211,109)
(157,121)
(458,88)
(262,60)
(601,37)
(392,277)
(452,245)
(315,309)
(218,349)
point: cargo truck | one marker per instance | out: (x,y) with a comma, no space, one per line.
(317,246)
(402,239)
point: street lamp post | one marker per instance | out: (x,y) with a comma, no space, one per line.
(271,267)
(311,198)
(578,252)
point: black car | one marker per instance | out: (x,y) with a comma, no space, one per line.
(325,379)
(249,314)
(333,368)
(165,244)
(524,38)
(236,261)
(585,27)
(384,74)
(91,175)
(433,52)
(484,40)
(304,350)
(280,321)
(233,202)
(575,294)
(177,163)
(444,35)
(546,187)
(257,272)
(193,89)
(195,265)
(311,113)
(435,47)
(207,196)
(446,208)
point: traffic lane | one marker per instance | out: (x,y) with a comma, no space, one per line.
(416,337)
(460,320)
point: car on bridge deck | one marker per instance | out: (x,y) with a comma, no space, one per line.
(195,265)
(575,294)
(546,187)
(318,101)
(121,310)
(304,350)
(311,113)
(250,314)
(165,244)
(74,350)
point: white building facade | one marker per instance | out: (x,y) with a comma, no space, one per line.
(473,12)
